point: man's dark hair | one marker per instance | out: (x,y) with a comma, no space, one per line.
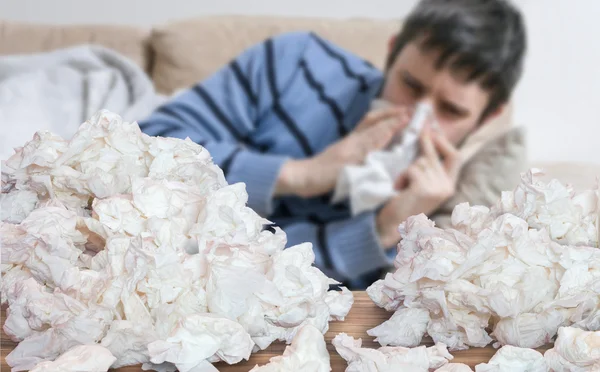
(486,38)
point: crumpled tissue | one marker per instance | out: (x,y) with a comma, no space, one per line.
(388,359)
(369,185)
(308,352)
(575,350)
(139,245)
(523,268)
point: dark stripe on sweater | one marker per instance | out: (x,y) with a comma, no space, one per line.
(345,66)
(277,108)
(166,110)
(243,81)
(198,120)
(322,240)
(179,123)
(210,103)
(227,162)
(318,87)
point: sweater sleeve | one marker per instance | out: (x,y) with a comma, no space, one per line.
(221,113)
(344,249)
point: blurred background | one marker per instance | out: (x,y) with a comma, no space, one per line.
(556,100)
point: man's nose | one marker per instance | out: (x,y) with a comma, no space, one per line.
(423,112)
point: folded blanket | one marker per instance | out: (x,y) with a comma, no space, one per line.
(59,90)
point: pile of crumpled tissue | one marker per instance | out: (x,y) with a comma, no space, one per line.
(522,269)
(434,358)
(575,350)
(417,359)
(136,248)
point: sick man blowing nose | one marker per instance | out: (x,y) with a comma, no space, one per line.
(287,115)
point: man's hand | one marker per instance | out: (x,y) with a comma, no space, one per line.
(425,185)
(318,175)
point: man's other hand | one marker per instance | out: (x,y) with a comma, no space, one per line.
(423,188)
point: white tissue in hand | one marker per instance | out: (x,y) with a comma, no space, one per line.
(126,240)
(418,359)
(511,358)
(307,352)
(369,185)
(82,358)
(575,350)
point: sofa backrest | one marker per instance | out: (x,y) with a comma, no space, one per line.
(188,51)
(27,38)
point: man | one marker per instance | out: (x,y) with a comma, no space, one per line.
(288,114)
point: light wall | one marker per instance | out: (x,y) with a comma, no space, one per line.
(557,99)
(149,12)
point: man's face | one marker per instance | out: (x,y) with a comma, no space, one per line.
(457,104)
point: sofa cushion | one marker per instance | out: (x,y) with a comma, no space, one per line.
(26,38)
(189,51)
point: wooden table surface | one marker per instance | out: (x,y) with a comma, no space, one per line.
(363,316)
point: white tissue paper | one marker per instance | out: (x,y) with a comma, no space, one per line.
(138,244)
(308,352)
(388,359)
(405,328)
(369,185)
(575,350)
(524,268)
(82,358)
(455,367)
(511,358)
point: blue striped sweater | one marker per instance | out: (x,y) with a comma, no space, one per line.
(288,97)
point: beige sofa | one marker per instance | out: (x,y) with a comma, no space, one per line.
(178,54)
